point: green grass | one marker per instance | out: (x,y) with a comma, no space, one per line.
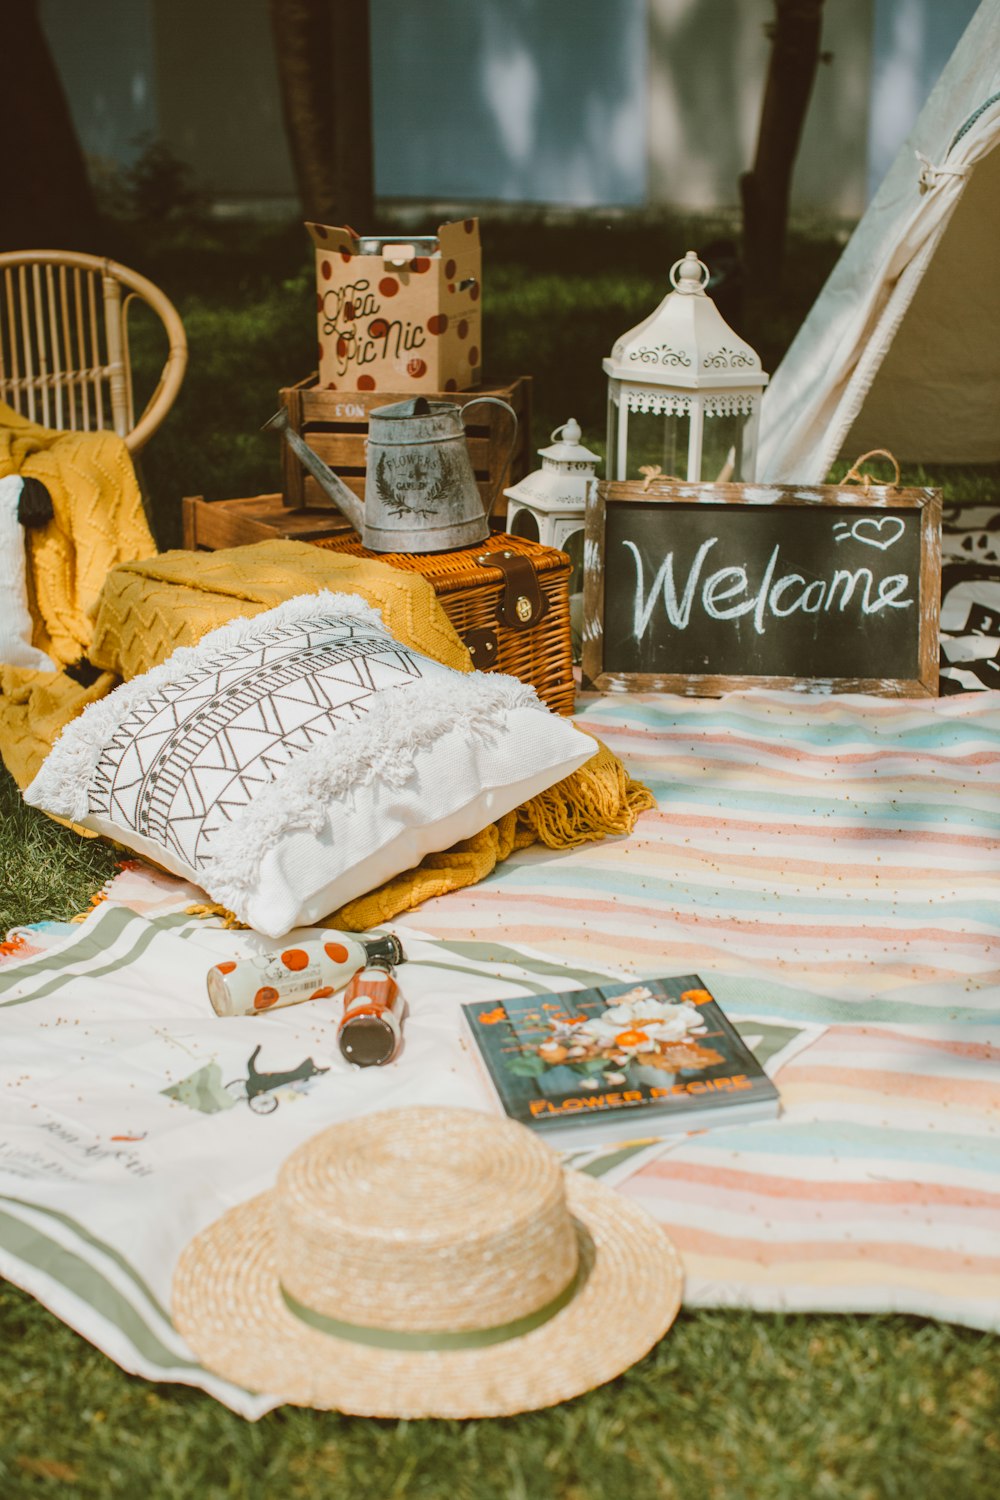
(730,1404)
(45,870)
(555,300)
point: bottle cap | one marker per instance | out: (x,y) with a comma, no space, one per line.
(367,1041)
(386,949)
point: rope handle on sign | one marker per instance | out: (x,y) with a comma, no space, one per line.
(854,475)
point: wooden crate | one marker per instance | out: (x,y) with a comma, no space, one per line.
(335,425)
(210,524)
(472,596)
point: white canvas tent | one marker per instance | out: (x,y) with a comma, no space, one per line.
(902,347)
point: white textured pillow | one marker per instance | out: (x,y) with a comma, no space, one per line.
(293,761)
(16,649)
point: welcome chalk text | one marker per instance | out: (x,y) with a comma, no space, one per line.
(727,594)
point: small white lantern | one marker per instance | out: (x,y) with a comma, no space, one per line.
(549,505)
(684,391)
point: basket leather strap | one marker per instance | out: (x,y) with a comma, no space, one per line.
(482,647)
(522,603)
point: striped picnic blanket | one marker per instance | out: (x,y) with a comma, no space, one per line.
(822,860)
(829,866)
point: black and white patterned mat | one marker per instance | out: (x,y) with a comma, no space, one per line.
(970,599)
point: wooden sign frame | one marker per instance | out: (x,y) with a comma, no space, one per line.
(663,494)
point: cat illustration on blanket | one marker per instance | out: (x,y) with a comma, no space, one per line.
(259,1089)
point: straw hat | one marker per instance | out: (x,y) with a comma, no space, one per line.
(427,1263)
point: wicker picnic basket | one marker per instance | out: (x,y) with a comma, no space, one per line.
(508,599)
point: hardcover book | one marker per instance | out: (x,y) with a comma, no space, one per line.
(622,1061)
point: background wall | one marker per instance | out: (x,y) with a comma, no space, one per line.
(541,103)
(105,56)
(574,102)
(707,63)
(220,108)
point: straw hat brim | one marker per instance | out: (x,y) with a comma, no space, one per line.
(228,1305)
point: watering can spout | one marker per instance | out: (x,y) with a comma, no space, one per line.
(329,482)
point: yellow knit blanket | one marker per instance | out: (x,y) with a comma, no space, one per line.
(146,609)
(98,522)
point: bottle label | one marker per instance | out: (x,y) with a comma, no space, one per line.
(311,970)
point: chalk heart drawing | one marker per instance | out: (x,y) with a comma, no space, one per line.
(881,532)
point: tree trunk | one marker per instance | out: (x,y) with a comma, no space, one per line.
(322,52)
(46,202)
(795,53)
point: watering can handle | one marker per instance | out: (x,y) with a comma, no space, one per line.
(495,401)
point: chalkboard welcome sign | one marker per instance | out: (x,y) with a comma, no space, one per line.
(700,588)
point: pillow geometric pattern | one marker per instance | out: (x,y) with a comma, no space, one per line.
(192,756)
(297,759)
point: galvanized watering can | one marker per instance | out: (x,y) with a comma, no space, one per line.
(420,491)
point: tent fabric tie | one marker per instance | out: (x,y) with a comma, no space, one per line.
(931,175)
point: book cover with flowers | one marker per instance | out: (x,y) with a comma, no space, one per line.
(620,1061)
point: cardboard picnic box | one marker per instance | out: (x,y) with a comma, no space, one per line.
(399,313)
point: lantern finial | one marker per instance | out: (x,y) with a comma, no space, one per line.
(571,431)
(689,276)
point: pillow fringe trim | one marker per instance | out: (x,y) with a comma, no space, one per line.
(381,748)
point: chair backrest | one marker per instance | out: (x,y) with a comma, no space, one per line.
(64,349)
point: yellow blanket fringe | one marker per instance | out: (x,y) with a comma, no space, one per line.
(599,799)
(213,909)
(147,609)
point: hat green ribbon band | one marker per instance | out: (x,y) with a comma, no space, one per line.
(466,1338)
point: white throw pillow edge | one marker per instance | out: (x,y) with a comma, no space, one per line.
(16,626)
(562,750)
(383,746)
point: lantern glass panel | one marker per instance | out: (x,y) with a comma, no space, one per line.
(751,428)
(573,547)
(525,525)
(655,439)
(727,447)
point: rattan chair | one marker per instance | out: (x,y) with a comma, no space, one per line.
(64,347)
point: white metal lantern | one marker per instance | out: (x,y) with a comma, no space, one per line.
(684,390)
(549,505)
